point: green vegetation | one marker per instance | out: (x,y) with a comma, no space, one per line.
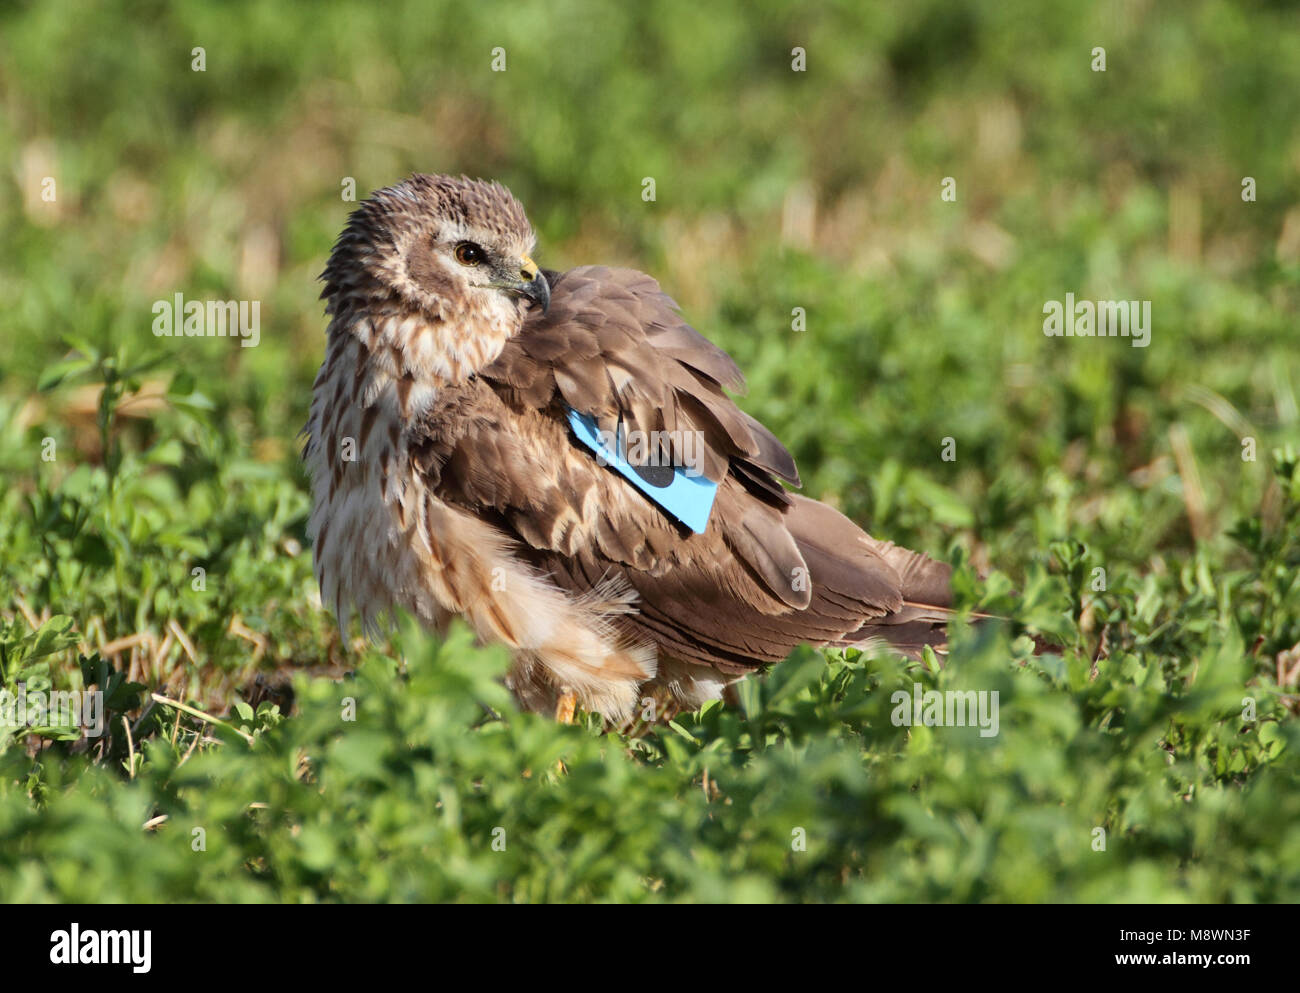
(153,510)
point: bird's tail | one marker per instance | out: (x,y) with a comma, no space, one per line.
(926,587)
(903,598)
(926,612)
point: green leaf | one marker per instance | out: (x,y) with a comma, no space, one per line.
(57,372)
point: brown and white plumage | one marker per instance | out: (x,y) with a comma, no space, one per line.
(469,494)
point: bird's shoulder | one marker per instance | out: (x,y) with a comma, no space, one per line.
(613,346)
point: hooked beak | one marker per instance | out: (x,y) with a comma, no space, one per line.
(533,284)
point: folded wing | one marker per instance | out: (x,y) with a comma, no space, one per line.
(772,569)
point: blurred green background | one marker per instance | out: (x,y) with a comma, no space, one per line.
(775,189)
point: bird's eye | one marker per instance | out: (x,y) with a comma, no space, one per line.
(468,253)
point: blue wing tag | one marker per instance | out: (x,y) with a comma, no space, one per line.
(685,496)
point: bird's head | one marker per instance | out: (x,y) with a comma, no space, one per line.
(437,253)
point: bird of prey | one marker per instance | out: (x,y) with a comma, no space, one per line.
(468,447)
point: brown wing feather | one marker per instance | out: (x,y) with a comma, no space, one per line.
(771,570)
